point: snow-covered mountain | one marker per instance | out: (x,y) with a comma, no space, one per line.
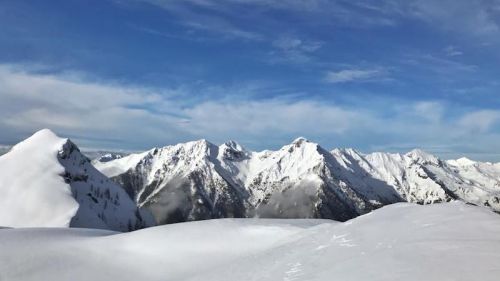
(46,181)
(450,241)
(199,180)
(423,178)
(103,155)
(179,183)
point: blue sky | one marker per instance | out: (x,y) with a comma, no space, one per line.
(374,75)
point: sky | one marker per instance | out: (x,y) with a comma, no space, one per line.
(375,75)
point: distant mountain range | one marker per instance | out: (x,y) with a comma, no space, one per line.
(199,180)
(46,181)
(92,154)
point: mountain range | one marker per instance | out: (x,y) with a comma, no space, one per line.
(46,181)
(199,180)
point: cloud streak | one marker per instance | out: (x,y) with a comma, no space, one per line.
(356,75)
(472,17)
(116,116)
(295,50)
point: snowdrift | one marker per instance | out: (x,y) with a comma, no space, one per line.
(449,241)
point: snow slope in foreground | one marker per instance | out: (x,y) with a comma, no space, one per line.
(450,241)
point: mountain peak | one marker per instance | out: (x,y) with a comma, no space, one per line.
(197,145)
(233,144)
(45,132)
(301,144)
(51,183)
(464,161)
(232,150)
(43,135)
(202,141)
(43,138)
(422,156)
(300,140)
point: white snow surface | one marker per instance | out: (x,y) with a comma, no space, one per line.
(449,241)
(46,182)
(120,165)
(33,190)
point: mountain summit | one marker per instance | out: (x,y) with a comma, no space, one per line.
(46,181)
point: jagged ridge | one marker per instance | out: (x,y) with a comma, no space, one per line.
(199,180)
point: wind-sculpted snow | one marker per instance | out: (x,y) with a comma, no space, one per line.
(450,241)
(46,181)
(32,186)
(199,180)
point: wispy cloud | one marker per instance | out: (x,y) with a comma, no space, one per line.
(205,16)
(439,64)
(480,121)
(294,49)
(467,17)
(472,17)
(452,51)
(224,28)
(135,117)
(356,75)
(429,110)
(70,105)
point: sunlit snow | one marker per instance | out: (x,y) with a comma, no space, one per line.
(450,241)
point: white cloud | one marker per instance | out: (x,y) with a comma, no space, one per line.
(443,66)
(429,110)
(110,115)
(293,49)
(260,119)
(469,17)
(183,13)
(355,75)
(474,17)
(224,28)
(31,101)
(288,43)
(479,121)
(452,51)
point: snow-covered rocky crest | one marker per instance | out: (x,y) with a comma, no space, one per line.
(179,183)
(200,180)
(423,178)
(46,182)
